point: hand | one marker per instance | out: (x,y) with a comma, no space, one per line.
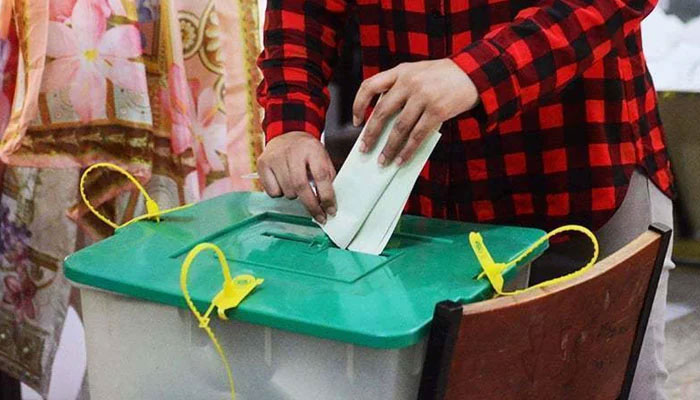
(285,166)
(430,92)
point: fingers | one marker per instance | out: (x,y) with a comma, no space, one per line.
(275,178)
(370,88)
(268,180)
(388,105)
(421,130)
(300,183)
(323,172)
(287,165)
(283,176)
(402,128)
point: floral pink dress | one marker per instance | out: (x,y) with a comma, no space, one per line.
(163,88)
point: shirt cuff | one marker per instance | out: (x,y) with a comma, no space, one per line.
(489,68)
(285,115)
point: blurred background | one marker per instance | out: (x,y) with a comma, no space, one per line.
(671,40)
(672,47)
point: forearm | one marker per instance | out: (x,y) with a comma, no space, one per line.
(301,41)
(544,49)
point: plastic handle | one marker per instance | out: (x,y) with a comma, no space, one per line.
(233,292)
(493,271)
(152,209)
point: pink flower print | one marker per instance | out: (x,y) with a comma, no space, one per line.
(86,53)
(60,10)
(19,294)
(210,132)
(178,101)
(202,128)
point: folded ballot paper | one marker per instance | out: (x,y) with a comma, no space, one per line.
(370,197)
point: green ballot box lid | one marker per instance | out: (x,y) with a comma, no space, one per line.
(310,286)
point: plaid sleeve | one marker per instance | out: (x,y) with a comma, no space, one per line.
(545,48)
(301,46)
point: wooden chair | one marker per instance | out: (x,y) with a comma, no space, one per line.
(577,340)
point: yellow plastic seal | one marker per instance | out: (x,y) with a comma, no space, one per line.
(233,292)
(152,209)
(494,271)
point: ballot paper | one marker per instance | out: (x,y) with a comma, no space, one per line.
(370,197)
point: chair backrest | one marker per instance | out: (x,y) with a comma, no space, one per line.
(576,340)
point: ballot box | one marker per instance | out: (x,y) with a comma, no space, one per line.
(325,324)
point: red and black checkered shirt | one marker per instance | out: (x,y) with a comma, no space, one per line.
(567,111)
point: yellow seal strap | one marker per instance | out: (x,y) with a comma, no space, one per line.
(493,270)
(152,209)
(233,292)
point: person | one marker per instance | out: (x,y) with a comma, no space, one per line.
(549,117)
(136,83)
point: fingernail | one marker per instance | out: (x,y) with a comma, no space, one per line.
(332,211)
(382,160)
(321,219)
(363,147)
(399,161)
(356,121)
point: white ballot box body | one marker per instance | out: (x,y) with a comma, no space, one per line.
(144,350)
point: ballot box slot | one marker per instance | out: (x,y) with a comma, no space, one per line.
(296,245)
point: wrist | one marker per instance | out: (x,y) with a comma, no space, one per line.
(468,94)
